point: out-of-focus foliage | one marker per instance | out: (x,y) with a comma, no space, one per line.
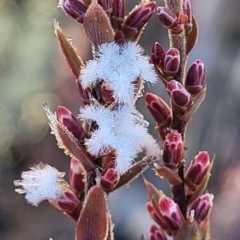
(33,71)
(27,45)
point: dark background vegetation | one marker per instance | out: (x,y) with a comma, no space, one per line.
(33,71)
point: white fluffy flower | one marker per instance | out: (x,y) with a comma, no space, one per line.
(123,130)
(40,183)
(118,65)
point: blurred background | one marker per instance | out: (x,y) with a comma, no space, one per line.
(34,71)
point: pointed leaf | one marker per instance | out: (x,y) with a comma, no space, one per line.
(97,26)
(194,107)
(69,51)
(67,141)
(189,231)
(154,195)
(168,173)
(93,219)
(135,171)
(192,37)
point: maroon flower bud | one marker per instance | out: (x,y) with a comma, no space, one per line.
(159,110)
(156,233)
(67,119)
(136,20)
(173,149)
(197,170)
(187,10)
(110,179)
(171,61)
(156,216)
(118,13)
(171,213)
(168,19)
(84,93)
(68,202)
(77,176)
(73,8)
(195,77)
(178,94)
(158,53)
(202,206)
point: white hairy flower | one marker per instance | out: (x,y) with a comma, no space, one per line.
(119,66)
(41,182)
(123,130)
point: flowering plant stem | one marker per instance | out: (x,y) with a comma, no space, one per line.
(110,132)
(178,41)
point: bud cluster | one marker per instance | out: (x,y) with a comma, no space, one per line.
(109,132)
(128,27)
(176,21)
(190,207)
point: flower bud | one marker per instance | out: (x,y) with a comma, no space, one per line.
(73,8)
(202,207)
(178,94)
(195,77)
(156,233)
(156,216)
(118,13)
(159,110)
(168,19)
(136,20)
(187,10)
(110,178)
(171,213)
(77,175)
(197,170)
(173,149)
(171,61)
(67,119)
(158,53)
(67,202)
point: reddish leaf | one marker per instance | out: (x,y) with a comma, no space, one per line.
(69,51)
(97,26)
(93,220)
(192,37)
(135,171)
(154,195)
(194,107)
(67,141)
(168,173)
